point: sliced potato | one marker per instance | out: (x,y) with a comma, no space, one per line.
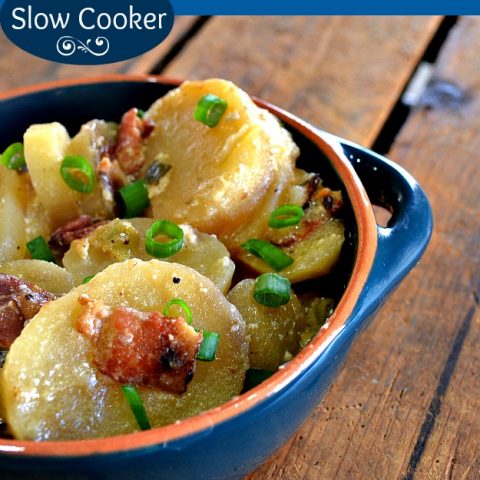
(56,393)
(123,239)
(45,275)
(45,147)
(37,221)
(12,223)
(89,142)
(219,175)
(274,333)
(314,245)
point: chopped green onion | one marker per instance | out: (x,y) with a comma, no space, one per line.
(155,172)
(13,157)
(133,199)
(183,305)
(210,109)
(39,249)
(208,347)
(136,404)
(87,279)
(285,216)
(140,113)
(163,249)
(78,173)
(270,254)
(254,377)
(272,290)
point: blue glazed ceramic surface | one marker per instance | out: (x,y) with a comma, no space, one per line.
(236,446)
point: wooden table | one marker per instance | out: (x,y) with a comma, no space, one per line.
(406,403)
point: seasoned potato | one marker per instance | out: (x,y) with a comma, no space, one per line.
(12,223)
(219,175)
(45,275)
(274,333)
(314,245)
(45,146)
(89,142)
(123,239)
(56,393)
(37,221)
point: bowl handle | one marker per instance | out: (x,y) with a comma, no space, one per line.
(402,242)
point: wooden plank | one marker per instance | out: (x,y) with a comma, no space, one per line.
(20,68)
(446,136)
(406,405)
(342,73)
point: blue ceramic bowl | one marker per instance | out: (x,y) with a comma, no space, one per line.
(235,438)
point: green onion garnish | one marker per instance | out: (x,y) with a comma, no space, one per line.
(136,404)
(13,157)
(155,172)
(254,377)
(270,254)
(208,347)
(183,305)
(272,290)
(39,249)
(285,216)
(134,199)
(87,279)
(210,109)
(78,173)
(163,249)
(140,113)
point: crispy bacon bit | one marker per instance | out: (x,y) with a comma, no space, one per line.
(312,187)
(140,348)
(305,230)
(19,302)
(79,228)
(129,150)
(110,171)
(332,201)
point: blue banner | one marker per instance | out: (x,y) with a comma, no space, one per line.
(322,7)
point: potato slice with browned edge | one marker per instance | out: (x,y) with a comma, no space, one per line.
(218,175)
(123,239)
(45,275)
(51,391)
(314,245)
(274,333)
(94,138)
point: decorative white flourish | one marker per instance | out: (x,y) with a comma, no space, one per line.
(67,45)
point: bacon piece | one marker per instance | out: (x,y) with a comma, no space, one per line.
(332,201)
(110,170)
(129,150)
(79,228)
(139,348)
(19,302)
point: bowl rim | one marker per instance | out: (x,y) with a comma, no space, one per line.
(365,254)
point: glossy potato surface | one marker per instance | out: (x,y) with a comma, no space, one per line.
(274,333)
(201,251)
(12,223)
(56,393)
(219,175)
(312,257)
(45,146)
(89,142)
(45,275)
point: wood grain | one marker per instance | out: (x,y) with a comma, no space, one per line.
(342,73)
(20,68)
(406,405)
